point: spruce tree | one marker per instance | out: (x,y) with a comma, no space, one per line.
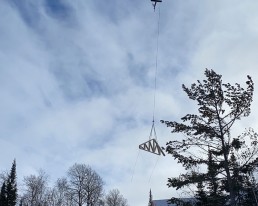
(208,143)
(11,187)
(3,195)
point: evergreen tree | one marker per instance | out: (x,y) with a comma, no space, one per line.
(201,196)
(11,187)
(3,195)
(207,140)
(150,200)
(21,202)
(216,197)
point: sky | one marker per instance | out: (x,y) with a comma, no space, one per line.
(77,82)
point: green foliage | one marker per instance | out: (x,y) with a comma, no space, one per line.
(207,140)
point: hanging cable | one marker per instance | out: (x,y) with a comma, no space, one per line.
(156,66)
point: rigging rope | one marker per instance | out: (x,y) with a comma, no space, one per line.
(153,131)
(135,165)
(154,168)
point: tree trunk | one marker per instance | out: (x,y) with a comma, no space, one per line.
(226,164)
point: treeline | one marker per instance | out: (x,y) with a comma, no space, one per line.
(82,186)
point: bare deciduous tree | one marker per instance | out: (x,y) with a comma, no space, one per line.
(62,196)
(35,189)
(85,185)
(114,198)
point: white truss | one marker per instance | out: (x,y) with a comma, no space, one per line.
(152,146)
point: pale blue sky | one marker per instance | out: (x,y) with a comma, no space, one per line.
(77,81)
